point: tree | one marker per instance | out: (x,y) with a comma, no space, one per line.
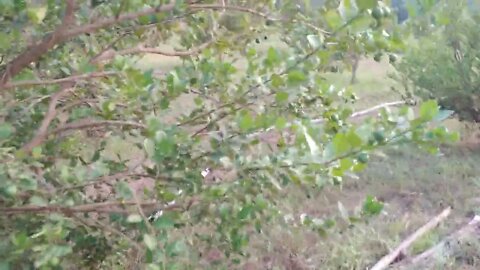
(136,195)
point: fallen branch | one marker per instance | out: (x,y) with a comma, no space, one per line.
(445,247)
(389,258)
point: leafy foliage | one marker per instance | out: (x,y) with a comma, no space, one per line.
(259,120)
(444,64)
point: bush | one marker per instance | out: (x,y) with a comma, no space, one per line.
(445,64)
(103,159)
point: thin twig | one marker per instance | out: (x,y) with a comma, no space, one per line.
(108,228)
(389,258)
(85,208)
(42,131)
(91,124)
(140,49)
(74,78)
(102,180)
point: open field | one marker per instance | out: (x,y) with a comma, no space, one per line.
(414,186)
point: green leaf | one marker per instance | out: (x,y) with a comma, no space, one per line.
(354,139)
(281,96)
(37,14)
(164,148)
(280,123)
(340,143)
(149,241)
(428,110)
(367,4)
(37,152)
(273,58)
(164,222)
(333,19)
(312,145)
(277,81)
(372,206)
(315,41)
(134,218)
(245,212)
(6,130)
(246,121)
(296,77)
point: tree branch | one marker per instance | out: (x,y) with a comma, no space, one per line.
(109,54)
(74,78)
(90,124)
(84,208)
(33,53)
(104,179)
(63,34)
(42,131)
(235,8)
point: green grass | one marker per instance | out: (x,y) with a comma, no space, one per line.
(414,186)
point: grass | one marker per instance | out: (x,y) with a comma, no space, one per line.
(414,186)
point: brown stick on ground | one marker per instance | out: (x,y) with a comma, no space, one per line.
(389,258)
(443,248)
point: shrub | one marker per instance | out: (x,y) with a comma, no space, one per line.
(445,63)
(137,196)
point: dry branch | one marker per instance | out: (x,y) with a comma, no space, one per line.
(444,248)
(389,258)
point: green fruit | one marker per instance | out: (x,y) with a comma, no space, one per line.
(334,118)
(377,13)
(362,158)
(379,137)
(378,57)
(392,58)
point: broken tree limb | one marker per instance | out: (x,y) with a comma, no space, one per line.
(444,248)
(389,258)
